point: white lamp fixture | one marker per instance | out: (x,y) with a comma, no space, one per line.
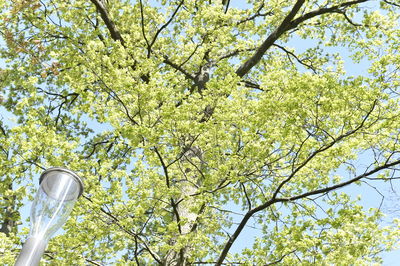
(59,189)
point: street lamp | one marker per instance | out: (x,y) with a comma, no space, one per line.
(58,191)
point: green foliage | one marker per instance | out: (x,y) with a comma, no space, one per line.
(177,112)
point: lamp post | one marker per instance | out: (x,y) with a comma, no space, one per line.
(59,189)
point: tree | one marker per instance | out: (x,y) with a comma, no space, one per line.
(191,120)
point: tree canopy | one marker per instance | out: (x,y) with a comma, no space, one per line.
(191,120)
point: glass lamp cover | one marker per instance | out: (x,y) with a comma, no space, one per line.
(59,189)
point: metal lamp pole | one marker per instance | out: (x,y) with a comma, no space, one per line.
(59,189)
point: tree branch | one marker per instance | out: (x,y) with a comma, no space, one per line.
(250,84)
(289,53)
(167,181)
(283,27)
(143,31)
(116,221)
(114,95)
(93,262)
(246,195)
(109,23)
(272,201)
(287,24)
(3,130)
(322,11)
(162,27)
(115,34)
(178,67)
(234,53)
(280,259)
(322,149)
(391,3)
(274,198)
(226,3)
(343,184)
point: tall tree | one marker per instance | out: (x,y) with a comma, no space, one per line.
(192,120)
